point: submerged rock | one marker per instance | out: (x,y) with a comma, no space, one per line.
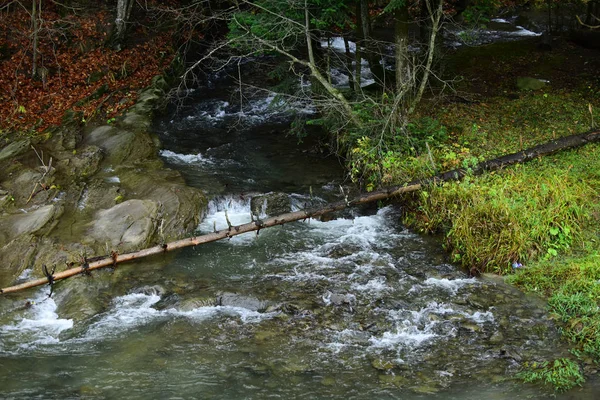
(238,300)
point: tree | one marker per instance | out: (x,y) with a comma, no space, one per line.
(293,29)
(123,14)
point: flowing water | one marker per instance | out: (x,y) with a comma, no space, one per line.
(357,307)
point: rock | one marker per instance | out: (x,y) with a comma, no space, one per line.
(99,194)
(343,250)
(339,299)
(497,337)
(136,120)
(526,83)
(382,365)
(16,256)
(159,82)
(328,381)
(84,163)
(238,300)
(193,304)
(181,206)
(78,300)
(394,380)
(270,204)
(120,145)
(149,97)
(128,226)
(5,199)
(15,149)
(34,222)
(91,171)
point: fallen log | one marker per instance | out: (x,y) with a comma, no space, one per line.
(256,225)
(551,147)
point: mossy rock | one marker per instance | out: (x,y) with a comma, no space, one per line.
(139,118)
(82,164)
(15,149)
(121,146)
(159,82)
(128,226)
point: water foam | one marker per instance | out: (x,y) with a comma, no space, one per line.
(185,158)
(113,179)
(234,208)
(524,32)
(450,285)
(337,43)
(40,325)
(375,287)
(137,309)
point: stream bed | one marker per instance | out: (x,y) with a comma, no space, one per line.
(357,307)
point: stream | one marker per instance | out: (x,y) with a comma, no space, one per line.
(357,307)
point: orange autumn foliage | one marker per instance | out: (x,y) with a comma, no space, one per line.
(82,74)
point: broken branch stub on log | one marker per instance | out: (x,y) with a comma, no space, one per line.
(551,147)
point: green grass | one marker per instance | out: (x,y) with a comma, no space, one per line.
(562,374)
(529,212)
(500,125)
(572,285)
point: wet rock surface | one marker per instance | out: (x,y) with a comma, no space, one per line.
(270,204)
(90,191)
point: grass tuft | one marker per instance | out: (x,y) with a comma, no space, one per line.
(563,374)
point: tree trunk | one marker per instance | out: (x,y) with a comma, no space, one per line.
(436,17)
(35,32)
(358,52)
(123,12)
(371,51)
(551,147)
(349,68)
(114,259)
(401,40)
(312,65)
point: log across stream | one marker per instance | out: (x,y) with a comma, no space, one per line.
(568,142)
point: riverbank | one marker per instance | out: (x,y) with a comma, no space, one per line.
(80,174)
(536,224)
(81,192)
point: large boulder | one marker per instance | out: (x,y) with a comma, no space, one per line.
(128,226)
